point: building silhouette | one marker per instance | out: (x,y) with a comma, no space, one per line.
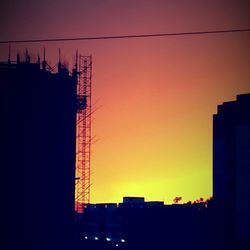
(38,124)
(139,224)
(38,152)
(231,167)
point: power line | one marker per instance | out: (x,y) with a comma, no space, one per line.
(126,36)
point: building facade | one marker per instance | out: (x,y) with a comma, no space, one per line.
(231,163)
(139,224)
(38,118)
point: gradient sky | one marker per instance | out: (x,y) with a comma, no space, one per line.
(157,95)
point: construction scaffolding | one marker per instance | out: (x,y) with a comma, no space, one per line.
(83,133)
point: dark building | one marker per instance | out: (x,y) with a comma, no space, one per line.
(38,124)
(231,166)
(138,224)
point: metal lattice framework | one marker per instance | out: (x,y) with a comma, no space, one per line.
(83,132)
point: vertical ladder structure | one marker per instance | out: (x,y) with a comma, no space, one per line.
(83,133)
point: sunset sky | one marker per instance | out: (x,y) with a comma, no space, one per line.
(157,95)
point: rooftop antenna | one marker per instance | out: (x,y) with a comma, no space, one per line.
(18,58)
(59,63)
(38,60)
(26,55)
(44,62)
(9,61)
(75,68)
(76,65)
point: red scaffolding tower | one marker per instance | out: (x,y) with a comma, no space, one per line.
(83,133)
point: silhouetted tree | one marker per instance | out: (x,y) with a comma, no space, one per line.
(201,200)
(177,199)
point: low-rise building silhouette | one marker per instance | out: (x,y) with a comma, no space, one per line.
(139,224)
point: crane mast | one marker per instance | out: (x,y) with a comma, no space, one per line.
(83,132)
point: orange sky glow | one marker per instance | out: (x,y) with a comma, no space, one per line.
(156,95)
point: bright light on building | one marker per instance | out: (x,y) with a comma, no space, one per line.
(116,245)
(108,239)
(122,240)
(86,237)
(96,238)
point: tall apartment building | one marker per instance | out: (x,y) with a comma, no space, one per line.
(38,124)
(231,163)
